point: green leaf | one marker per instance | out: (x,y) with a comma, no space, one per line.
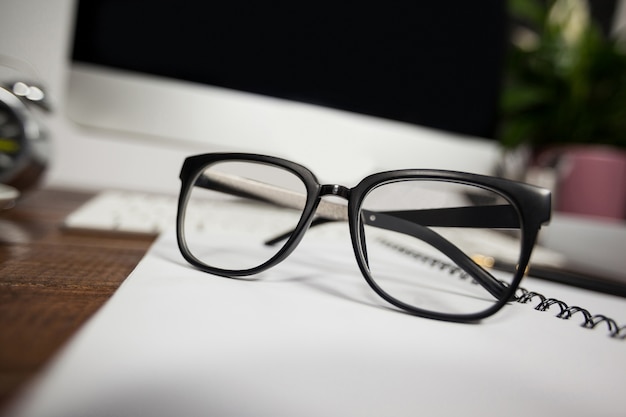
(515,99)
(532,11)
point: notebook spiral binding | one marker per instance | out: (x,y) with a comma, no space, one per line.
(590,321)
(523,296)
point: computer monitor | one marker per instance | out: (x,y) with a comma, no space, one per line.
(294,78)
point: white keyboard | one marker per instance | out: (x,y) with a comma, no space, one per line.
(134,212)
(125,212)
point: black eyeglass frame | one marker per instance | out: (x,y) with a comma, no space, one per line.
(532,204)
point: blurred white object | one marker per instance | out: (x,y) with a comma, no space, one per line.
(592,245)
(8,195)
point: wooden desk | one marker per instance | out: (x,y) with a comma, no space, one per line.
(51,281)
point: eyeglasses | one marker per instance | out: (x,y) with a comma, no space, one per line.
(425,241)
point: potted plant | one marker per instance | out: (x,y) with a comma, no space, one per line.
(564,97)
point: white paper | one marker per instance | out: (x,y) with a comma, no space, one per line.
(310,338)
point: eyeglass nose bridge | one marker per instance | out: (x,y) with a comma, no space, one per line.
(327,211)
(335,189)
(332,210)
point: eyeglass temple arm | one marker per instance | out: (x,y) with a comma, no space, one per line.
(388,221)
(491,217)
(260,191)
(494,217)
(411,222)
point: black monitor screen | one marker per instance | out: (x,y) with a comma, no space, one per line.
(431,63)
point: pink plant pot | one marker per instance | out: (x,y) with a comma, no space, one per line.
(591,181)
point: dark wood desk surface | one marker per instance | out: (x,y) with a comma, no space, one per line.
(51,280)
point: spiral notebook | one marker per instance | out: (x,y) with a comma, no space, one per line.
(307,338)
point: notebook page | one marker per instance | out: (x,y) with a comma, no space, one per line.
(310,338)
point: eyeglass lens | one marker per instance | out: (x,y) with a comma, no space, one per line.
(231,212)
(446,230)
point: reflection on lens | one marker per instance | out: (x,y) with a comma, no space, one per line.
(428,243)
(234,207)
